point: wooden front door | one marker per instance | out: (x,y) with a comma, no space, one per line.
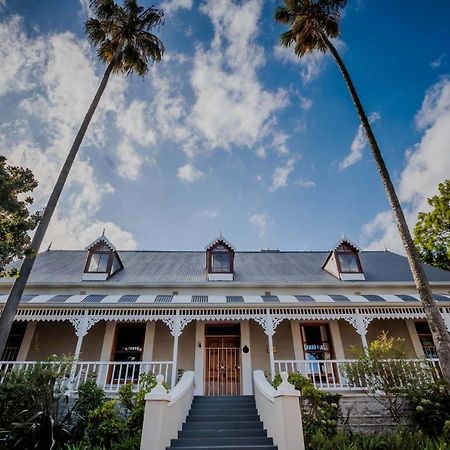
(222,365)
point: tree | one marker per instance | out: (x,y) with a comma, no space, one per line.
(432,230)
(15,218)
(312,24)
(124,42)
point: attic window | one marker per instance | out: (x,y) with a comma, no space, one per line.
(220,260)
(102,260)
(343,262)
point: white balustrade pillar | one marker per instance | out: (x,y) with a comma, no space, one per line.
(270,332)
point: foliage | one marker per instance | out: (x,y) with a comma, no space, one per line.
(30,405)
(432,230)
(430,407)
(386,374)
(15,218)
(105,425)
(123,33)
(401,439)
(306,21)
(320,410)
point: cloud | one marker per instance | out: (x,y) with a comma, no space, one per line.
(129,161)
(279,143)
(209,214)
(280,175)
(311,64)
(261,152)
(305,103)
(426,166)
(358,144)
(53,79)
(189,174)
(305,183)
(231,105)
(171,6)
(438,62)
(259,221)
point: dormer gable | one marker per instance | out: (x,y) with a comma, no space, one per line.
(220,260)
(102,260)
(344,263)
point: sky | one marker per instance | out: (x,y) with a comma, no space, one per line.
(230,132)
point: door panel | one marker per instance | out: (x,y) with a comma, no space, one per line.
(222,365)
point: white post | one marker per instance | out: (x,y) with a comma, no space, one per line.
(26,341)
(246,363)
(147,352)
(106,352)
(297,340)
(361,329)
(174,361)
(415,339)
(199,357)
(336,339)
(270,332)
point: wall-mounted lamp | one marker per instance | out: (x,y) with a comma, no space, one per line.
(199,345)
(245,349)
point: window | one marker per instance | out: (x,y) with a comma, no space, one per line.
(348,262)
(426,339)
(99,262)
(316,344)
(220,262)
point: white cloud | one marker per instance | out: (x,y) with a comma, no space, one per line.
(279,143)
(427,164)
(259,221)
(54,79)
(189,174)
(358,145)
(231,106)
(261,152)
(209,214)
(305,103)
(171,6)
(311,64)
(281,174)
(136,123)
(129,161)
(435,64)
(305,183)
(85,8)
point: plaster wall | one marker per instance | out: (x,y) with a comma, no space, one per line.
(52,338)
(258,346)
(92,343)
(282,340)
(395,329)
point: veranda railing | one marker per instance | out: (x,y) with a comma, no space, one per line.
(110,375)
(331,374)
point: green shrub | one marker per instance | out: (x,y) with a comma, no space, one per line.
(105,426)
(320,410)
(429,404)
(31,403)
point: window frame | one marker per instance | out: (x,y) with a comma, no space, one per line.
(347,251)
(224,250)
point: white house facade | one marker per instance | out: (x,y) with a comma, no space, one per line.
(220,313)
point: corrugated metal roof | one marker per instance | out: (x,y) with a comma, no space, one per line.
(66,266)
(107,300)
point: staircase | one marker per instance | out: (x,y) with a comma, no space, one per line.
(223,423)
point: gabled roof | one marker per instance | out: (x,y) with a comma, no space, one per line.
(345,241)
(104,240)
(219,240)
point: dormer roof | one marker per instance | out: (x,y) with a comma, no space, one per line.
(220,240)
(345,241)
(104,240)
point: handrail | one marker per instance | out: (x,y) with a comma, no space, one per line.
(182,387)
(261,383)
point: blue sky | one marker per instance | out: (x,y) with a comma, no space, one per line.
(229,132)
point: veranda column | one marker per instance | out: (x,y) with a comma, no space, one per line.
(414,338)
(269,326)
(199,357)
(246,363)
(147,353)
(26,341)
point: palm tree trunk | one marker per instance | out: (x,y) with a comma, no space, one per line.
(9,311)
(435,320)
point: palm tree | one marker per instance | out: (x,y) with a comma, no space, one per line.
(124,42)
(312,24)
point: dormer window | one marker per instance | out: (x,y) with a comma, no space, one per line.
(102,260)
(220,260)
(343,262)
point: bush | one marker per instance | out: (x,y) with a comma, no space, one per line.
(320,410)
(430,407)
(105,425)
(31,403)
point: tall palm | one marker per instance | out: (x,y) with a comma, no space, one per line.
(311,26)
(122,35)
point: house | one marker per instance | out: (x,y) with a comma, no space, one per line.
(221,313)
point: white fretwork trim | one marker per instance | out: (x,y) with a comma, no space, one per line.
(360,323)
(176,325)
(269,324)
(83,324)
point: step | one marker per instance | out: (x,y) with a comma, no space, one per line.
(236,425)
(215,442)
(223,411)
(223,402)
(221,418)
(232,432)
(225,397)
(227,447)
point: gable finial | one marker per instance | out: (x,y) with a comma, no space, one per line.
(49,246)
(342,235)
(103,232)
(385,247)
